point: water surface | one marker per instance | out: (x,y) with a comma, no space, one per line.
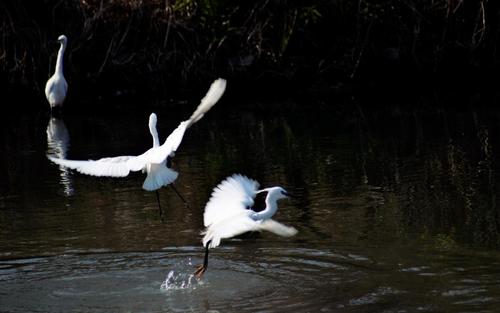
(396,212)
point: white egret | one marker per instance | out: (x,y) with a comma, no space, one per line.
(154,161)
(56,87)
(228,213)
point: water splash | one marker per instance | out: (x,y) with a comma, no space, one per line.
(180,281)
(183,280)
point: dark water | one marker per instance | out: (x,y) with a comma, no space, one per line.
(396,212)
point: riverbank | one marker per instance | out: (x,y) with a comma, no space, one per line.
(165,49)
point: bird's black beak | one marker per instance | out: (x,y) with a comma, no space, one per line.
(289,195)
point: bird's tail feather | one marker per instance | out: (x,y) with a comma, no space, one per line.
(158,176)
(212,237)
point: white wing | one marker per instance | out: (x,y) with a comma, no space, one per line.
(227,214)
(213,95)
(231,197)
(48,86)
(277,228)
(55,89)
(64,85)
(173,141)
(170,145)
(114,167)
(239,223)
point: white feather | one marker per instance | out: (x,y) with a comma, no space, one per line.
(57,87)
(152,161)
(227,213)
(170,145)
(231,197)
(240,224)
(237,224)
(159,175)
(113,167)
(213,95)
(173,141)
(277,228)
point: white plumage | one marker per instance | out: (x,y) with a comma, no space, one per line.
(57,87)
(228,213)
(231,197)
(153,161)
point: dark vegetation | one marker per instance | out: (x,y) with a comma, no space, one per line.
(320,48)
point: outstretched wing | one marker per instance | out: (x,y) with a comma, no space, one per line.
(173,141)
(238,223)
(213,95)
(170,145)
(227,214)
(277,228)
(241,223)
(114,167)
(231,197)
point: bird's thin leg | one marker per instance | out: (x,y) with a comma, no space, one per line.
(203,267)
(177,192)
(159,204)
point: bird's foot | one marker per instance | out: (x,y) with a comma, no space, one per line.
(200,270)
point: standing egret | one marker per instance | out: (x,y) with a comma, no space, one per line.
(228,213)
(154,161)
(56,87)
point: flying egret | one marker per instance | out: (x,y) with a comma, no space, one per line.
(56,87)
(155,161)
(228,213)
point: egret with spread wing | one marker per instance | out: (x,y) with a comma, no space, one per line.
(56,87)
(228,213)
(154,161)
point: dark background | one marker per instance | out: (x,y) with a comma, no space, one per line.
(155,51)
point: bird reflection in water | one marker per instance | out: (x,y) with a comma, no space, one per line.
(57,146)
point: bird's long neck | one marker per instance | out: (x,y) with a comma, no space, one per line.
(154,134)
(269,211)
(60,56)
